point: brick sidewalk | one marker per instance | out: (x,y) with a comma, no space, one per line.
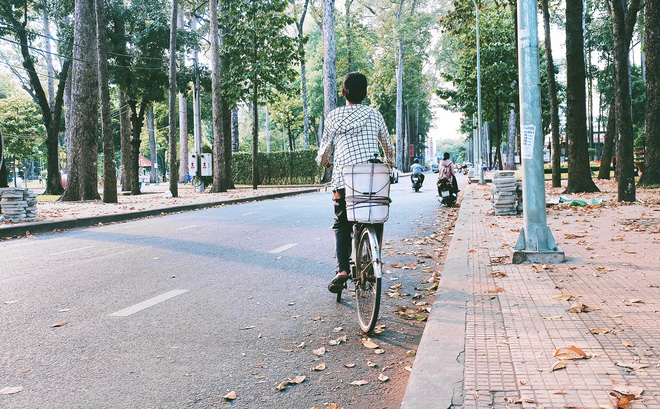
(515,323)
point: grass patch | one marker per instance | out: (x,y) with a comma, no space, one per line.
(47,198)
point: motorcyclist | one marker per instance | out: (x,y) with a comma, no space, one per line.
(417,169)
(447,171)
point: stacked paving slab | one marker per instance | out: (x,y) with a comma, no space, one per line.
(18,204)
(504,193)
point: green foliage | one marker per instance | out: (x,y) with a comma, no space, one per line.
(20,116)
(278,168)
(257,49)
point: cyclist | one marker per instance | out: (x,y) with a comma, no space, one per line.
(417,170)
(354,132)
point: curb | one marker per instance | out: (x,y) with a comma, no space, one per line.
(436,380)
(21,229)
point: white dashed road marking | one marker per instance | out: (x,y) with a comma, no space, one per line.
(187,227)
(70,251)
(285,247)
(146,304)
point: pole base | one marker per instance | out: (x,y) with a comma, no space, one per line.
(538,257)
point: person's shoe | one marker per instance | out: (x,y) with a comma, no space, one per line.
(337,283)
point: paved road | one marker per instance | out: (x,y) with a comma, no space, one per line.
(176,311)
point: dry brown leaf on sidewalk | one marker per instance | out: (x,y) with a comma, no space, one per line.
(563,297)
(557,366)
(627,389)
(553,317)
(574,236)
(230,396)
(571,352)
(496,290)
(359,383)
(627,343)
(632,367)
(319,352)
(599,331)
(578,307)
(10,390)
(622,401)
(369,343)
(616,239)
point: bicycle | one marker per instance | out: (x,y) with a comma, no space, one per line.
(368,207)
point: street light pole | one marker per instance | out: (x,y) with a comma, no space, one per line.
(535,243)
(479,147)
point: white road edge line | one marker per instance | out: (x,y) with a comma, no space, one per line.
(70,251)
(187,227)
(281,249)
(146,304)
(247,214)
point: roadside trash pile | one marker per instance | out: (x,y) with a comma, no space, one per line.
(506,193)
(568,202)
(18,204)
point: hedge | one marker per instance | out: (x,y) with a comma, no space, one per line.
(278,168)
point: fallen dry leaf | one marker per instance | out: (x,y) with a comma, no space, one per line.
(563,297)
(632,366)
(599,331)
(382,377)
(10,390)
(281,386)
(230,396)
(553,317)
(59,324)
(359,383)
(351,365)
(411,352)
(627,389)
(578,307)
(557,366)
(319,367)
(622,401)
(571,352)
(379,351)
(369,343)
(627,343)
(319,352)
(297,380)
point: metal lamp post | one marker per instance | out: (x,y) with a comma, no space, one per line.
(535,243)
(479,147)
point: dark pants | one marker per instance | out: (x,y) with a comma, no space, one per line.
(343,229)
(421,178)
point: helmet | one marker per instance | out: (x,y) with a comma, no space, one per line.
(416,160)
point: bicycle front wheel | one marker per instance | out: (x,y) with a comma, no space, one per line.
(368,280)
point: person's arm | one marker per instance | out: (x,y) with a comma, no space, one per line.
(385,141)
(325,149)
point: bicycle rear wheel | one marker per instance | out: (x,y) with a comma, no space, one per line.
(368,281)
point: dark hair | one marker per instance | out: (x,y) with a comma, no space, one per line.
(446,155)
(416,160)
(355,87)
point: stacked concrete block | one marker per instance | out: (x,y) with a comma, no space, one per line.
(18,204)
(503,193)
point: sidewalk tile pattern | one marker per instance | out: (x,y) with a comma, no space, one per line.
(515,324)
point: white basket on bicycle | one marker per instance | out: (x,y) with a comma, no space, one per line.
(367,192)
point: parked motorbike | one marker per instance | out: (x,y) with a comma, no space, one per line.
(446,192)
(416,182)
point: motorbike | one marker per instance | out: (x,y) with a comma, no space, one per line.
(446,192)
(416,182)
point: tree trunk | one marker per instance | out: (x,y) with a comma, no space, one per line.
(49,58)
(219,169)
(608,146)
(511,140)
(125,141)
(183,118)
(623,22)
(329,56)
(234,130)
(153,176)
(83,174)
(267,130)
(552,96)
(651,170)
(3,167)
(255,135)
(400,144)
(109,169)
(137,121)
(303,75)
(349,49)
(172,133)
(579,175)
(226,126)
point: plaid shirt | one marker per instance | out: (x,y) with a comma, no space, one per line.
(354,132)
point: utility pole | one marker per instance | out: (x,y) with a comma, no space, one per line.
(535,243)
(479,147)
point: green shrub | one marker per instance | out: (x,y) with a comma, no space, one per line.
(278,168)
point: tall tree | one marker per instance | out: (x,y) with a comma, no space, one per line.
(608,146)
(83,173)
(303,69)
(125,141)
(219,175)
(16,14)
(624,16)
(172,114)
(552,96)
(651,170)
(265,53)
(400,145)
(329,56)
(109,169)
(153,154)
(183,117)
(579,175)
